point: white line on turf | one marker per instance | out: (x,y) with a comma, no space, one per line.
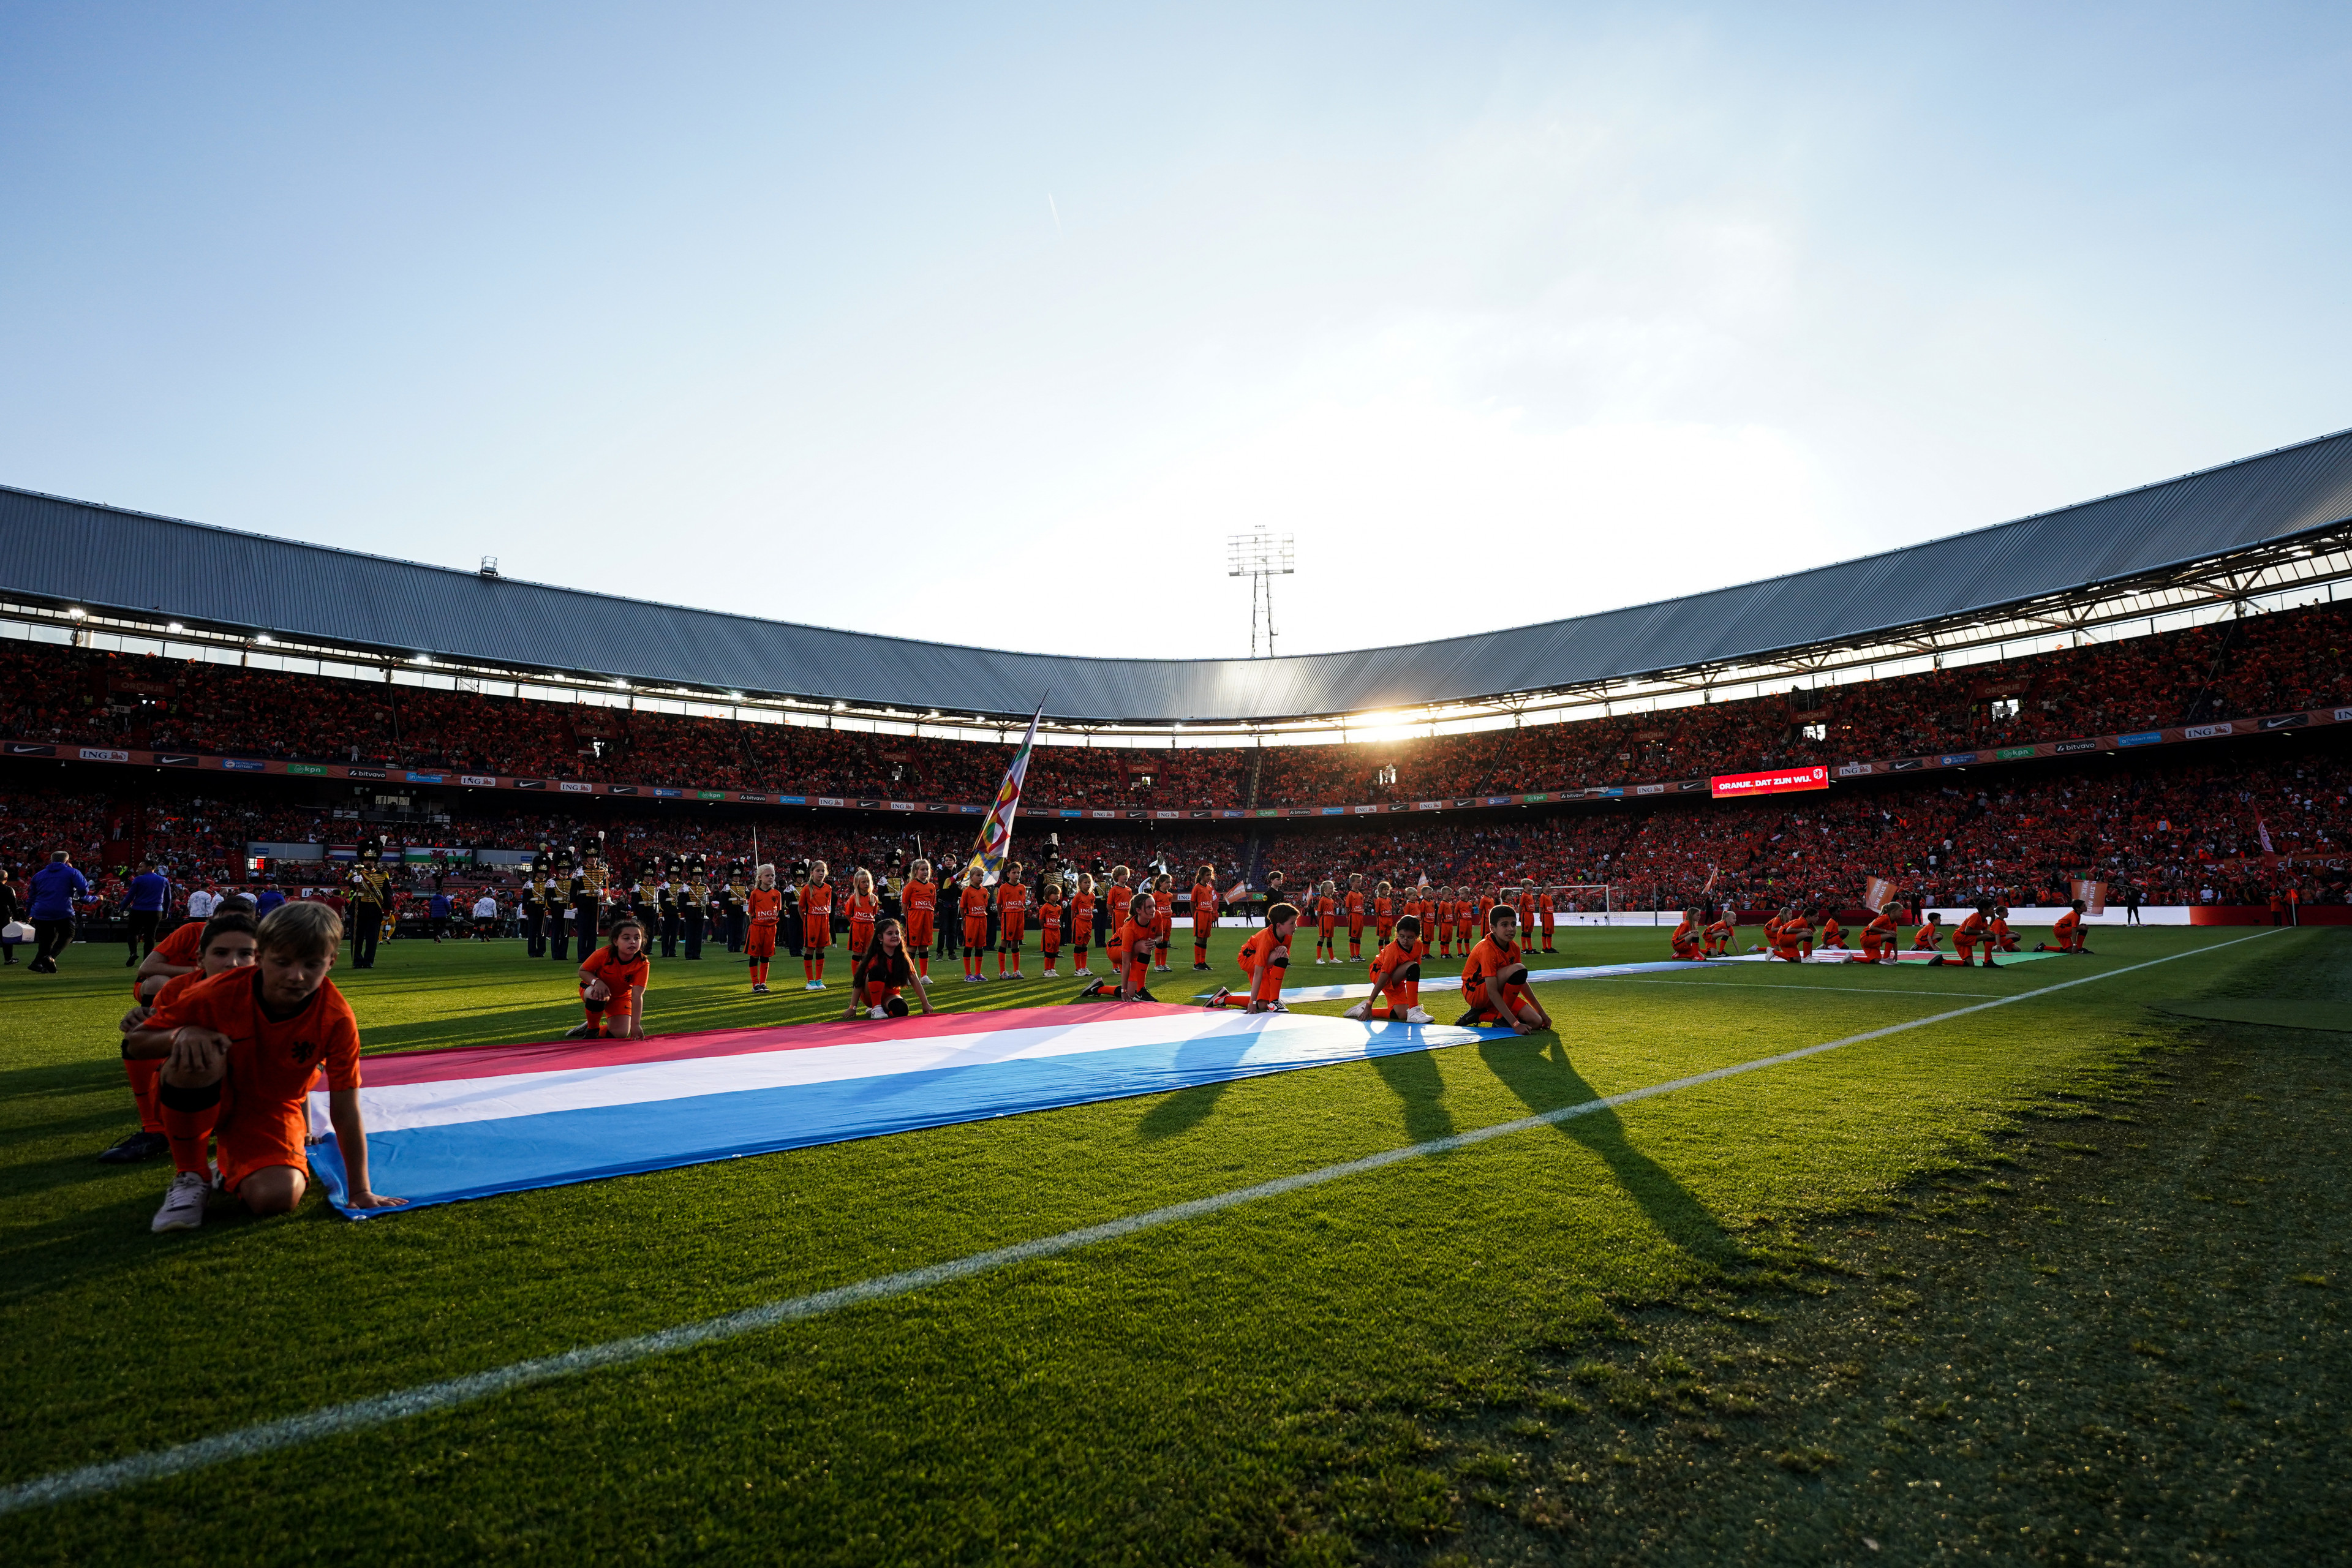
(1774,986)
(383,1409)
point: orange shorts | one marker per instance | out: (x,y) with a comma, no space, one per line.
(975,930)
(816,932)
(1009,931)
(252,1138)
(1514,997)
(919,930)
(760,941)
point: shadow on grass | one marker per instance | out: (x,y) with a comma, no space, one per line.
(1536,1068)
(1413,1077)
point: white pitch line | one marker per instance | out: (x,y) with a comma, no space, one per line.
(383,1409)
(1776,985)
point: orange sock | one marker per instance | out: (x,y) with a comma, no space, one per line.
(189,1132)
(143,1073)
(819,966)
(923,964)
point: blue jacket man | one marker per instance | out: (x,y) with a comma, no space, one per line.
(54,887)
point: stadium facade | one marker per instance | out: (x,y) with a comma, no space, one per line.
(2224,537)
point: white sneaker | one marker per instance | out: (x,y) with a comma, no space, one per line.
(875,1013)
(1415,1016)
(1082,974)
(812,985)
(1359,1012)
(1051,974)
(183,1203)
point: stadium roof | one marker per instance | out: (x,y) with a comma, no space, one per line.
(68,552)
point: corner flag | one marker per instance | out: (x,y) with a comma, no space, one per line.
(988,850)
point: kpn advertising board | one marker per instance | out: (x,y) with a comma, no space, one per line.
(1771,781)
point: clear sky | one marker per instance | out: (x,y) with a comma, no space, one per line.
(990,324)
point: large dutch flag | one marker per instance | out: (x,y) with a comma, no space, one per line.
(451,1124)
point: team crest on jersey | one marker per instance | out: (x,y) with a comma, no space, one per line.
(303,1049)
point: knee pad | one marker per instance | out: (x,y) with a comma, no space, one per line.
(1516,976)
(178,1097)
(895,1007)
(1282,963)
(1411,972)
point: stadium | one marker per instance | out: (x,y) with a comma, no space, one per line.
(652,908)
(2141,701)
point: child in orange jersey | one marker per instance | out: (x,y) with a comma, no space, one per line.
(920,899)
(1441,906)
(863,909)
(1929,937)
(2003,937)
(1833,939)
(224,942)
(816,924)
(972,905)
(763,909)
(1793,942)
(1081,923)
(1384,914)
(1134,945)
(1396,980)
(1495,979)
(613,985)
(179,953)
(1204,913)
(1546,907)
(1011,922)
(2066,934)
(1975,931)
(1524,900)
(1720,932)
(1163,919)
(1266,959)
(1327,923)
(1351,905)
(1880,936)
(1117,897)
(1689,940)
(1049,927)
(240,1049)
(881,972)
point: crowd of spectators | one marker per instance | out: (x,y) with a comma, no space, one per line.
(2288,661)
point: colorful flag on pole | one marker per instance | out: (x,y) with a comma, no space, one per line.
(2262,832)
(995,840)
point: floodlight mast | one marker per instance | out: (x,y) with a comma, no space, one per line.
(1260,557)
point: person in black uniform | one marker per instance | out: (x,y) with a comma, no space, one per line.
(665,898)
(791,915)
(693,907)
(370,894)
(588,889)
(534,901)
(732,905)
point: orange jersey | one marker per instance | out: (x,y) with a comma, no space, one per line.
(1204,904)
(1488,959)
(2064,926)
(1011,904)
(1384,910)
(1973,930)
(1327,909)
(184,948)
(1445,912)
(1120,897)
(861,908)
(1082,915)
(1928,936)
(1685,938)
(1881,929)
(1354,905)
(617,976)
(766,905)
(1833,934)
(1049,923)
(920,901)
(1135,942)
(974,902)
(271,1061)
(817,901)
(1265,980)
(1389,965)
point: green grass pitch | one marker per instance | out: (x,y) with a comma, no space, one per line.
(1772,1317)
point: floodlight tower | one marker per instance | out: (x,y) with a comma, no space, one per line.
(1260,557)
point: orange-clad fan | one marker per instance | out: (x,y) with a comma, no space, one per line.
(240,1052)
